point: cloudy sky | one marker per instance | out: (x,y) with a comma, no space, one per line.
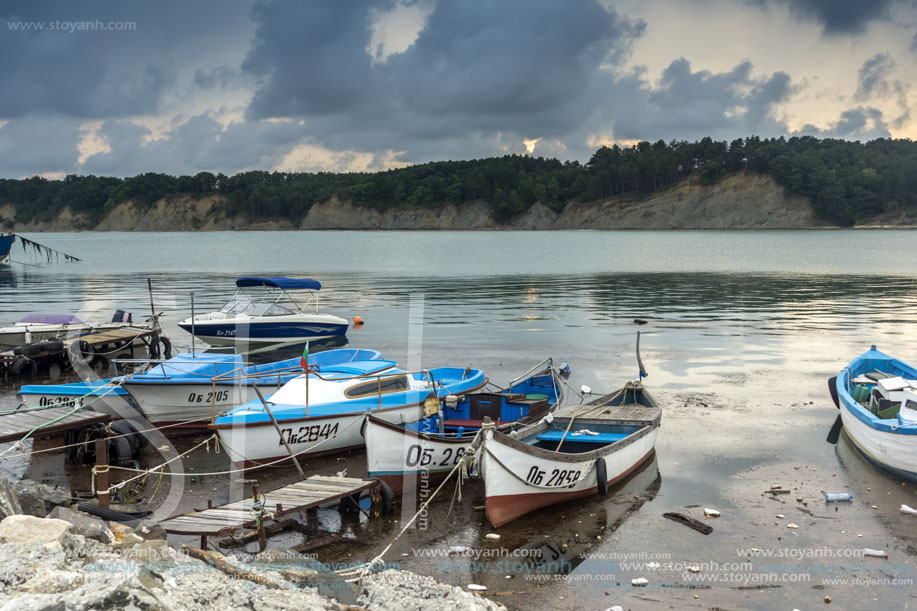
(125,87)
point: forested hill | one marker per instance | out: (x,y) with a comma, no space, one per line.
(846,182)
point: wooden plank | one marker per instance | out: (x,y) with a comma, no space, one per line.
(15,426)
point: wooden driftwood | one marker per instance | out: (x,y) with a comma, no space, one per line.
(218,562)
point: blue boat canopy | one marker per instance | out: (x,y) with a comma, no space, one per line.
(287,284)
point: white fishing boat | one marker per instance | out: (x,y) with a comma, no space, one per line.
(578,452)
(877,398)
(427,450)
(322,412)
(262,313)
(36,328)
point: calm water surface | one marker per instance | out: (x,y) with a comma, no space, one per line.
(743,329)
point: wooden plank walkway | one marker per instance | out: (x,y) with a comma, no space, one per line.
(102,338)
(298,496)
(14,426)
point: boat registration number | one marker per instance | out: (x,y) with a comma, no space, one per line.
(220,395)
(226,333)
(558,478)
(418,456)
(46,401)
(306,434)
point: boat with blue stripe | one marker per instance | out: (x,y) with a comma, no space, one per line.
(6,244)
(877,398)
(322,412)
(186,391)
(262,313)
(429,448)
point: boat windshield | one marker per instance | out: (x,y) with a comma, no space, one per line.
(246,305)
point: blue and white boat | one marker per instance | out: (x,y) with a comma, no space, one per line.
(6,243)
(186,391)
(322,412)
(267,317)
(877,396)
(428,449)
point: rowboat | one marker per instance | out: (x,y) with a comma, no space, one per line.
(428,449)
(267,317)
(877,398)
(185,391)
(577,452)
(321,412)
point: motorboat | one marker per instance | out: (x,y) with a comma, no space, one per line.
(322,411)
(36,328)
(262,313)
(427,450)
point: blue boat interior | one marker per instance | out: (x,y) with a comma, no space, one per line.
(582,437)
(868,368)
(466,416)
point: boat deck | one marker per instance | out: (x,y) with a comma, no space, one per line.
(14,426)
(298,496)
(113,337)
(630,413)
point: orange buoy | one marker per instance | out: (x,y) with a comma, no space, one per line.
(357,320)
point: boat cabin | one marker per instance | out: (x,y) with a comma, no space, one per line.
(273,299)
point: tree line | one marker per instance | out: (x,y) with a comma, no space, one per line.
(845,181)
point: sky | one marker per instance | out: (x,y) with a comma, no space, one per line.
(119,88)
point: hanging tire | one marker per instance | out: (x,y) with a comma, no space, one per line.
(601,476)
(388,497)
(24,366)
(27,350)
(120,450)
(125,426)
(166,351)
(121,427)
(52,345)
(82,349)
(153,349)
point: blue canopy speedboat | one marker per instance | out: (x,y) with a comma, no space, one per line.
(877,396)
(429,448)
(267,317)
(322,412)
(187,390)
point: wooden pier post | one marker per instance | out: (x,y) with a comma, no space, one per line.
(256,498)
(102,471)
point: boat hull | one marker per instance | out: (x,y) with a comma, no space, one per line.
(193,404)
(403,458)
(253,445)
(512,491)
(295,330)
(886,443)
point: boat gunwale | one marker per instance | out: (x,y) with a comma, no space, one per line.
(857,366)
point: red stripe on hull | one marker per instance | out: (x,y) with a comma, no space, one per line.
(506,508)
(401,482)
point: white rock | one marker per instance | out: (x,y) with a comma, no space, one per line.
(639,582)
(29,529)
(492,537)
(791,525)
(711,513)
(781,516)
(615,608)
(476,587)
(694,569)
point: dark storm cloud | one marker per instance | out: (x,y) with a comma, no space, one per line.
(33,145)
(840,16)
(106,59)
(873,76)
(686,105)
(196,145)
(514,66)
(854,124)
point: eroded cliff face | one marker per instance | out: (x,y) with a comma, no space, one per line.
(741,201)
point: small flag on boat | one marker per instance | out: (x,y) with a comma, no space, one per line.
(304,362)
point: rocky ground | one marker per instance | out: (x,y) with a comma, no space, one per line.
(71,560)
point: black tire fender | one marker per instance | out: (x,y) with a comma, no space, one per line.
(123,427)
(601,475)
(120,450)
(52,345)
(388,497)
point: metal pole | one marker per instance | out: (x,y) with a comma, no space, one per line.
(277,427)
(149,286)
(192,325)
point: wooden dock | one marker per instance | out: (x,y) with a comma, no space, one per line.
(14,426)
(298,496)
(103,341)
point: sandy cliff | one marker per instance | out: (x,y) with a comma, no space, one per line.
(740,201)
